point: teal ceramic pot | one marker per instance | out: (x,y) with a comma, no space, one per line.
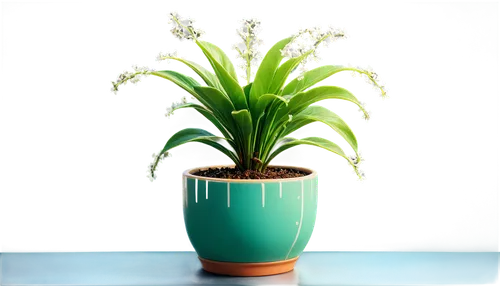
(249,222)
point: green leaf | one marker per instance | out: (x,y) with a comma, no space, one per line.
(264,102)
(311,78)
(302,100)
(198,135)
(220,63)
(257,134)
(246,89)
(219,104)
(244,121)
(210,116)
(215,122)
(283,72)
(209,78)
(184,136)
(321,114)
(287,143)
(216,102)
(270,129)
(185,82)
(219,56)
(266,71)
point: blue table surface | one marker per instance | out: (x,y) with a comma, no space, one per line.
(313,268)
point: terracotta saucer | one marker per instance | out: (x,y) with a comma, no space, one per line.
(248,269)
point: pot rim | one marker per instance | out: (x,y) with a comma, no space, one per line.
(188,174)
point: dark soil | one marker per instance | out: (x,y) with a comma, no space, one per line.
(234,173)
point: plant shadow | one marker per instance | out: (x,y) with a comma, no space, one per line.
(289,278)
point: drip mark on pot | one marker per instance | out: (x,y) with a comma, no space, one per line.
(196,190)
(301,217)
(281,191)
(206,189)
(263,187)
(228,195)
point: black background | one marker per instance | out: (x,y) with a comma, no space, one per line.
(77,160)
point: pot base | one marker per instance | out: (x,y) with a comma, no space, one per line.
(248,269)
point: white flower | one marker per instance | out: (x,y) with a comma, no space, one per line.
(305,43)
(376,82)
(362,166)
(157,160)
(183,28)
(385,91)
(133,77)
(159,58)
(286,53)
(371,114)
(311,39)
(169,111)
(247,49)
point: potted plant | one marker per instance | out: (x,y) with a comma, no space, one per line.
(252,218)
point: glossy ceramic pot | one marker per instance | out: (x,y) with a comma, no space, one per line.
(249,227)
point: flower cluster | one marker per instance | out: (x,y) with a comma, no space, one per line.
(305,43)
(133,77)
(164,57)
(183,28)
(247,49)
(375,80)
(152,170)
(355,161)
(361,160)
(169,112)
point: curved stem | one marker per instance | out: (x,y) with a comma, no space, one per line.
(187,29)
(127,79)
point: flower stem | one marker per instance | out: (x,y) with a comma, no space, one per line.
(249,65)
(187,29)
(118,84)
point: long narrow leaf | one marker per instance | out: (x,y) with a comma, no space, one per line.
(209,78)
(246,89)
(320,114)
(302,100)
(191,86)
(225,73)
(185,82)
(219,104)
(198,135)
(266,71)
(219,56)
(269,128)
(211,117)
(187,135)
(244,121)
(283,72)
(311,78)
(264,102)
(321,143)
